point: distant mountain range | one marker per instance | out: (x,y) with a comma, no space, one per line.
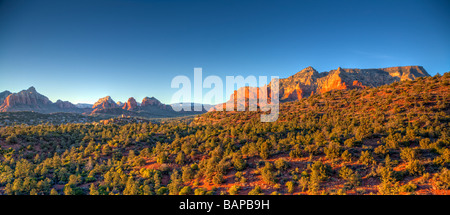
(300,85)
(205,107)
(31,100)
(84,105)
(308,82)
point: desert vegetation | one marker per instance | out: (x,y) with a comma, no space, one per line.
(393,139)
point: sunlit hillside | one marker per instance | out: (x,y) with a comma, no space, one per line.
(394,139)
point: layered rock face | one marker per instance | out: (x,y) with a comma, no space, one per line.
(3,96)
(149,106)
(300,85)
(130,105)
(361,78)
(242,98)
(153,102)
(104,103)
(65,104)
(308,82)
(27,97)
(31,100)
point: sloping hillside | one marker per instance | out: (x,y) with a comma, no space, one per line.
(308,82)
(392,139)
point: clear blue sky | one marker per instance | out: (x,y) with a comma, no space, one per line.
(83,50)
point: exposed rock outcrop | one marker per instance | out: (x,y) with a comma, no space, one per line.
(153,102)
(31,100)
(130,105)
(64,104)
(104,103)
(308,82)
(3,96)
